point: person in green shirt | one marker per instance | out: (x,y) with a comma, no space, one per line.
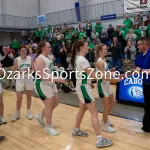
(137,31)
(128,22)
(15,47)
(91,51)
(42,34)
(68,36)
(124,31)
(98,28)
(82,34)
(148,30)
(37,35)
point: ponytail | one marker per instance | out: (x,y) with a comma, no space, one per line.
(98,48)
(41,45)
(76,49)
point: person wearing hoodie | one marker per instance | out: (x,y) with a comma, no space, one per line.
(130,51)
(98,28)
(131,36)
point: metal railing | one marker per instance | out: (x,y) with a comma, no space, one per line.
(92,12)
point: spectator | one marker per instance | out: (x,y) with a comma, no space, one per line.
(128,22)
(91,51)
(98,28)
(96,41)
(148,30)
(116,54)
(94,33)
(42,34)
(15,46)
(147,22)
(131,36)
(32,53)
(37,35)
(130,51)
(82,34)
(117,33)
(104,37)
(137,31)
(6,59)
(63,56)
(89,29)
(80,27)
(136,22)
(143,29)
(110,32)
(140,18)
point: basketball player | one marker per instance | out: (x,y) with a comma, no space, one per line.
(104,89)
(45,87)
(2,120)
(23,64)
(84,92)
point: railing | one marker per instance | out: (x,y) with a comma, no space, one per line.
(92,12)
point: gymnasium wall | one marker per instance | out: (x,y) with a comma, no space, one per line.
(23,8)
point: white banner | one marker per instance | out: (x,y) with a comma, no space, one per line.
(132,6)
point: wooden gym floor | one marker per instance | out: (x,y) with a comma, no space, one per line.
(28,135)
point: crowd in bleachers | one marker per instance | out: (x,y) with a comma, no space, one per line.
(120,40)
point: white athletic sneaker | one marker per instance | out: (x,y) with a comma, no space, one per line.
(15,117)
(108,128)
(101,143)
(2,120)
(51,131)
(139,131)
(110,123)
(40,119)
(29,116)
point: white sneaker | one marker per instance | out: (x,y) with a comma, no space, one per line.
(29,116)
(51,131)
(139,131)
(110,123)
(2,120)
(40,119)
(15,117)
(108,128)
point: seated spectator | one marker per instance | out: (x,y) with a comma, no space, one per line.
(143,29)
(131,36)
(104,37)
(116,50)
(94,33)
(98,28)
(137,31)
(130,51)
(110,31)
(89,27)
(128,22)
(96,40)
(147,22)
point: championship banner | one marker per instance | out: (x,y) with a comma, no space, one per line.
(133,6)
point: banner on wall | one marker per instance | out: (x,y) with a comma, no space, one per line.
(132,6)
(41,19)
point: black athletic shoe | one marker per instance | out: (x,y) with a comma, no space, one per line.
(2,138)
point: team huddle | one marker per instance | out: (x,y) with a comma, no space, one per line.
(47,90)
